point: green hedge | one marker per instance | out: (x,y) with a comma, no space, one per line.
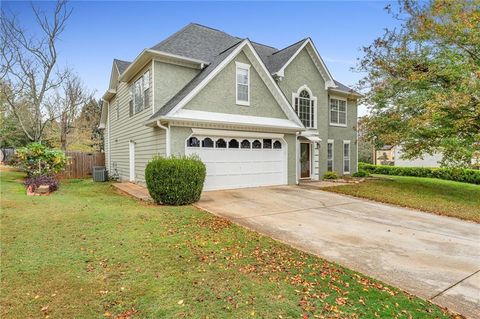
(175,180)
(453,174)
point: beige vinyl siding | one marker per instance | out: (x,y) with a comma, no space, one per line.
(106,142)
(149,141)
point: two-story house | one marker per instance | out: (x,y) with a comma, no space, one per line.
(254,114)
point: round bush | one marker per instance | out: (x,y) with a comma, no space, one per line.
(175,180)
(331,175)
(360,173)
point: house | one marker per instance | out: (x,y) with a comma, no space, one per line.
(254,114)
(426,160)
(385,155)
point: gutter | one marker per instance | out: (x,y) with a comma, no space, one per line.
(167,137)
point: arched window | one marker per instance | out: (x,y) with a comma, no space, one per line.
(193,142)
(245,144)
(220,143)
(305,107)
(277,145)
(207,142)
(256,144)
(233,143)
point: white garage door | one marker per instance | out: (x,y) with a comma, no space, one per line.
(240,162)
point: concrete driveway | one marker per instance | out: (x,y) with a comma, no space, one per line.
(434,257)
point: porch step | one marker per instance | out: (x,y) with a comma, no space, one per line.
(138,191)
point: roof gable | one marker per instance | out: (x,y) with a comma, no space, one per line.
(219,63)
(317,59)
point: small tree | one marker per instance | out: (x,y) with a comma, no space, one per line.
(37,160)
(423,81)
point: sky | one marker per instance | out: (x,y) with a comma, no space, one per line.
(97,32)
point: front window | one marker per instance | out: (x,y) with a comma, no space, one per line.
(243,83)
(338,112)
(304,105)
(346,157)
(330,156)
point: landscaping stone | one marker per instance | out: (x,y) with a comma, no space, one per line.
(43,190)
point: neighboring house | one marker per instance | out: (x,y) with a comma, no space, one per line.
(254,114)
(426,160)
(385,155)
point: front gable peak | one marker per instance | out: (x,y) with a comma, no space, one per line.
(308,45)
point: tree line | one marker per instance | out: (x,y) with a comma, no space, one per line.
(41,101)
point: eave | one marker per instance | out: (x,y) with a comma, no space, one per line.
(109,94)
(147,55)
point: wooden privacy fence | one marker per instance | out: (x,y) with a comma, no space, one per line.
(80,164)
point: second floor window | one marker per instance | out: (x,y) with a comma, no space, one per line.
(140,94)
(305,107)
(243,83)
(338,112)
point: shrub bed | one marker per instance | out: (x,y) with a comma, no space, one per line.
(360,173)
(175,180)
(331,175)
(35,182)
(454,174)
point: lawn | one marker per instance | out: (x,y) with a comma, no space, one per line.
(88,252)
(438,196)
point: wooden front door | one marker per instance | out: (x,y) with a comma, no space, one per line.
(305,164)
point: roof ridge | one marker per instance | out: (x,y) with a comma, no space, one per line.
(173,34)
(233,45)
(115,59)
(291,45)
(207,27)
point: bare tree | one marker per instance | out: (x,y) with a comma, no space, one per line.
(65,105)
(29,66)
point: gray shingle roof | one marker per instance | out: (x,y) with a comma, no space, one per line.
(203,43)
(344,88)
(278,59)
(197,42)
(121,65)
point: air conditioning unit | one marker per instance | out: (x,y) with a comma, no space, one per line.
(100,174)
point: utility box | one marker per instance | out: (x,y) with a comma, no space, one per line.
(100,174)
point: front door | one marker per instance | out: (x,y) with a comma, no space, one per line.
(305,160)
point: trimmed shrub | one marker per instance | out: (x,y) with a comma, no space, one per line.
(464,175)
(330,175)
(360,173)
(38,160)
(35,182)
(175,180)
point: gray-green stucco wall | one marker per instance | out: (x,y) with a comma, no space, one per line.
(219,95)
(302,71)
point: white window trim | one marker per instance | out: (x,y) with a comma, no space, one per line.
(333,154)
(345,142)
(240,65)
(330,111)
(313,98)
(141,79)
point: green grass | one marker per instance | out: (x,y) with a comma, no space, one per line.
(438,196)
(88,252)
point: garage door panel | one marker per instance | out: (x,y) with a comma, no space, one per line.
(237,168)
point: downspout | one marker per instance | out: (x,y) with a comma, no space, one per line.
(167,137)
(297,157)
(109,158)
